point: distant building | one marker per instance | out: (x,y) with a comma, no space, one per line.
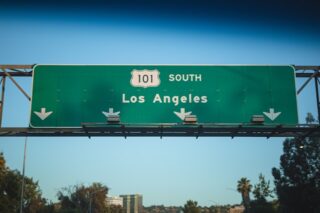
(237,209)
(115,201)
(132,203)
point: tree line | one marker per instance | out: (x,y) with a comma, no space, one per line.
(73,199)
(10,192)
(297,188)
(297,181)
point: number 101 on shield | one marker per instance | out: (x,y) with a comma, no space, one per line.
(145,78)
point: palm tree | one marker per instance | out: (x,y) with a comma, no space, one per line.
(244,187)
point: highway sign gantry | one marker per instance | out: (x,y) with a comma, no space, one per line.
(69,95)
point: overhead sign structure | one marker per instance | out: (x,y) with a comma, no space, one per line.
(69,95)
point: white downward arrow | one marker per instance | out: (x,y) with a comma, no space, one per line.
(111,112)
(182,114)
(271,114)
(43,114)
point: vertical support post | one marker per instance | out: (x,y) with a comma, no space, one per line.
(23,172)
(317,97)
(3,86)
(90,204)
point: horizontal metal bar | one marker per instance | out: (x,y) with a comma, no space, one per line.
(28,66)
(11,66)
(188,131)
(26,74)
(17,74)
(29,74)
(307,75)
(306,67)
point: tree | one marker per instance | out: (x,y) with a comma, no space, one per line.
(262,189)
(191,207)
(10,191)
(297,180)
(115,209)
(261,192)
(244,187)
(80,198)
(219,209)
(310,119)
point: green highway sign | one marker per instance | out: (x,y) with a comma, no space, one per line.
(68,95)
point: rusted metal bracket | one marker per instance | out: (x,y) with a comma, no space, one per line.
(17,85)
(307,81)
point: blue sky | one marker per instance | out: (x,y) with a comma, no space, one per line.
(168,171)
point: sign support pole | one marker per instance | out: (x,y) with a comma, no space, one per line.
(317,96)
(23,173)
(3,81)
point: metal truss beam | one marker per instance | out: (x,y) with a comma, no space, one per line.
(28,66)
(306,67)
(15,70)
(12,66)
(168,131)
(17,85)
(162,130)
